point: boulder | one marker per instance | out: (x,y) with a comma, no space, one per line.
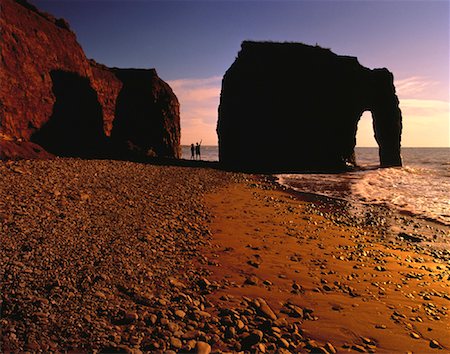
(288,107)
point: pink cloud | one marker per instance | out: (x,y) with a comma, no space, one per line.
(199,101)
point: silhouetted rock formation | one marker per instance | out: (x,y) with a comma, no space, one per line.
(147,114)
(293,107)
(52,95)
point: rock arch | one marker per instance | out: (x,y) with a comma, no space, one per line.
(288,107)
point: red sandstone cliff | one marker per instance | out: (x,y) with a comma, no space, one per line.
(52,95)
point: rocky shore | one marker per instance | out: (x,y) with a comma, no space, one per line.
(112,256)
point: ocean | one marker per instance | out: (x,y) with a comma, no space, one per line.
(421,187)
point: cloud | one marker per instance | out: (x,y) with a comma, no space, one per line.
(425,118)
(199,101)
(425,110)
(415,87)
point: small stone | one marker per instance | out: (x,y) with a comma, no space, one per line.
(131,316)
(283,343)
(297,311)
(253,263)
(296,286)
(180,314)
(414,335)
(100,295)
(435,344)
(367,341)
(153,318)
(380,326)
(327,288)
(176,283)
(204,283)
(252,280)
(359,348)
(175,342)
(230,332)
(330,348)
(265,309)
(251,339)
(202,348)
(190,345)
(261,347)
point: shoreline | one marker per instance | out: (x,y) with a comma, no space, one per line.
(353,278)
(423,229)
(114,256)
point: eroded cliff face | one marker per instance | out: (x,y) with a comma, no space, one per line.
(289,107)
(53,97)
(147,114)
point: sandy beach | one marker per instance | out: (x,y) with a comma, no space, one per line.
(112,256)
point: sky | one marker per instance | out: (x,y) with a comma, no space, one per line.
(192,43)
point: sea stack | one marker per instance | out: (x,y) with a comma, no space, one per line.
(288,107)
(56,102)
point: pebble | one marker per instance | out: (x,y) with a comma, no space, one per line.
(265,309)
(435,344)
(175,342)
(252,280)
(414,335)
(180,314)
(202,348)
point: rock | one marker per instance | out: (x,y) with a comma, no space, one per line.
(176,283)
(239,324)
(250,339)
(435,344)
(359,348)
(315,128)
(175,342)
(202,348)
(265,309)
(251,280)
(45,74)
(180,314)
(409,237)
(330,348)
(414,335)
(204,283)
(131,317)
(380,268)
(283,343)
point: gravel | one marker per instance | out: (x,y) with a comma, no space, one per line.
(100,255)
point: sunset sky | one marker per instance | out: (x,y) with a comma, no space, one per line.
(192,43)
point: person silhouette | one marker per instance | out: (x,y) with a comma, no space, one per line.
(197,150)
(192,152)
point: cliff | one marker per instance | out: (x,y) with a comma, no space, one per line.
(287,107)
(53,97)
(147,114)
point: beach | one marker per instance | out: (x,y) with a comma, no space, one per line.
(113,256)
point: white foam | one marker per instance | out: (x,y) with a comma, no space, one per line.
(416,190)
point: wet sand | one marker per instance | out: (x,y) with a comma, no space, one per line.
(364,290)
(112,256)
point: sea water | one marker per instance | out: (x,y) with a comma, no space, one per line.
(421,187)
(208,152)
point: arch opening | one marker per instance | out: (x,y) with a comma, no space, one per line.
(366,148)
